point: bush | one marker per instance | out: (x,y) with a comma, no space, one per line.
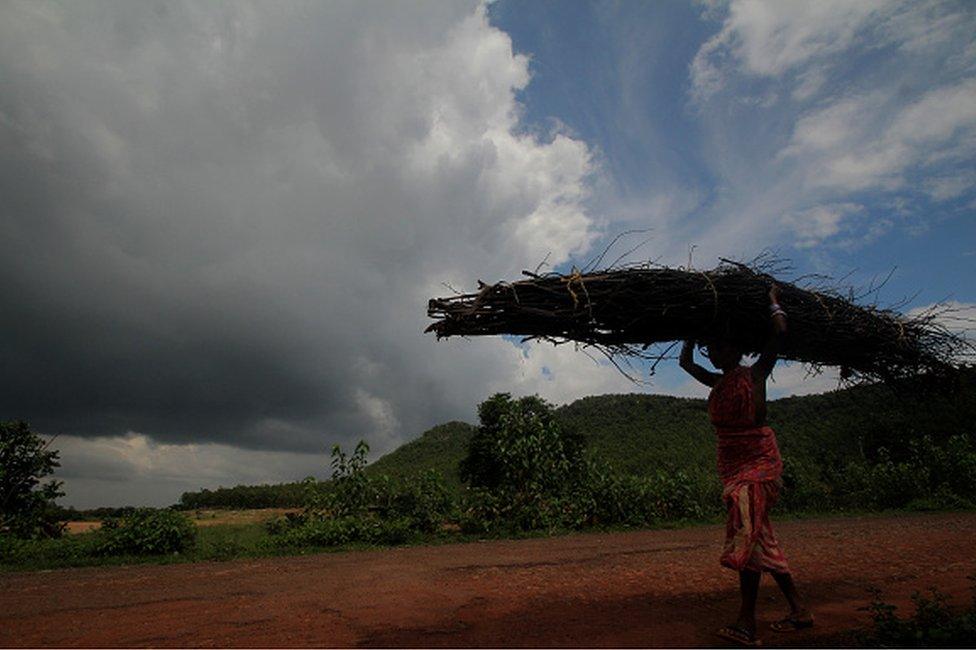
(423,500)
(929,476)
(804,488)
(933,624)
(351,490)
(48,552)
(147,531)
(325,531)
(357,508)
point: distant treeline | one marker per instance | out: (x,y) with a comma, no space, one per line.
(70,513)
(241,497)
(831,442)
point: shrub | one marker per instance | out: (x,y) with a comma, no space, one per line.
(803,487)
(327,531)
(423,500)
(147,531)
(929,476)
(355,507)
(481,511)
(933,624)
(351,490)
(48,552)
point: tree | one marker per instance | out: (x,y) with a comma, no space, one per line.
(520,446)
(27,508)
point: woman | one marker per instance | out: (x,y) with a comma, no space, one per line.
(750,467)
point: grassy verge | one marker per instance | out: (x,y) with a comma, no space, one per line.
(224,542)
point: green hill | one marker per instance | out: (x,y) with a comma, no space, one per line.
(440,449)
(641,434)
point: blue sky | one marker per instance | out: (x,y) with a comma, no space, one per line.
(222,222)
(619,75)
(700,162)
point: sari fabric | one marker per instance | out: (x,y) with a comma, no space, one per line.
(750,467)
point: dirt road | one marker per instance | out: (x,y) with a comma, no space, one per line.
(622,589)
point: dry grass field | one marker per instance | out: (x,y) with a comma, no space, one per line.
(203,518)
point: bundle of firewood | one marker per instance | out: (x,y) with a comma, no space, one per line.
(624,311)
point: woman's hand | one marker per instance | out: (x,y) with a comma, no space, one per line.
(774,294)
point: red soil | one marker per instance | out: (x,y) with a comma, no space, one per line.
(649,588)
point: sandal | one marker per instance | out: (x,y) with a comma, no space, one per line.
(737,635)
(791,624)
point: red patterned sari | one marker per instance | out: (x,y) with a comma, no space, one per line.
(750,467)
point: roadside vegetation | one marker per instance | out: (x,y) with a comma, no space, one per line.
(602,463)
(934,623)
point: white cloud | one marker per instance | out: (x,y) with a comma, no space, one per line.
(563,373)
(814,225)
(844,146)
(809,84)
(946,188)
(772,38)
(798,379)
(882,109)
(134,469)
(806,40)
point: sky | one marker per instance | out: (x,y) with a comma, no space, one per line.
(220,223)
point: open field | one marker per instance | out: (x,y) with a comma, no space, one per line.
(601,589)
(210,517)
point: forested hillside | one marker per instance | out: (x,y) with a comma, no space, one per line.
(642,434)
(440,449)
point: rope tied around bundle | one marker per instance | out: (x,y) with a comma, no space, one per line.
(575,276)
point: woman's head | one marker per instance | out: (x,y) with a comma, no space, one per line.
(723,354)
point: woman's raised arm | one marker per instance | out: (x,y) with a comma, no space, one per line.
(767,359)
(687,363)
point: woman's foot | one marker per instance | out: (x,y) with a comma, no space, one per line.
(794,621)
(740,636)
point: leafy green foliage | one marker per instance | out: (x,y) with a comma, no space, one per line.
(329,531)
(147,531)
(933,623)
(930,476)
(27,507)
(520,446)
(528,473)
(42,553)
(359,508)
(522,467)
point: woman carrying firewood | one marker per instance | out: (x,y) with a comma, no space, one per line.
(750,466)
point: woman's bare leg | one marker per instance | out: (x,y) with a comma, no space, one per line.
(749,588)
(797,609)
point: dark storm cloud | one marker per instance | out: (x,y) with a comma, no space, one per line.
(220,222)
